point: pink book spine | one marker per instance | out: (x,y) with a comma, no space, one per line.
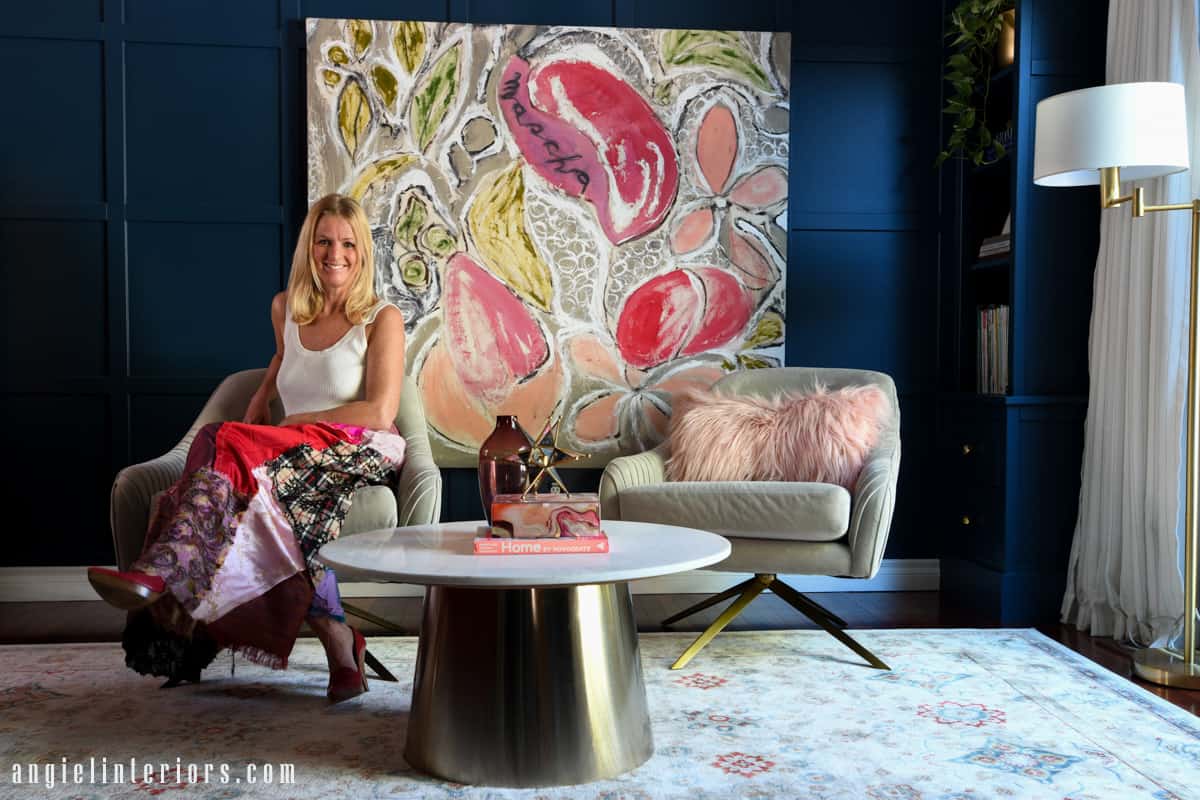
(511,547)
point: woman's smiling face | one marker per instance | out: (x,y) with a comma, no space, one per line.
(335,252)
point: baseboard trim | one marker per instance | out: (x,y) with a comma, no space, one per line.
(67,584)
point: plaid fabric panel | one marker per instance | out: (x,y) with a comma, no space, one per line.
(315,488)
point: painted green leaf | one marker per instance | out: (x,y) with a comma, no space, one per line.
(768,331)
(433,100)
(413,214)
(437,240)
(330,77)
(409,42)
(497,222)
(385,84)
(338,55)
(360,34)
(354,115)
(723,50)
(413,270)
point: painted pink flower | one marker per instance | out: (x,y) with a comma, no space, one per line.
(591,134)
(492,357)
(730,199)
(681,313)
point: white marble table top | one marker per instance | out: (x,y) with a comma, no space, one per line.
(443,555)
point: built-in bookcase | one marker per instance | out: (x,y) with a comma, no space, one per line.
(1010,450)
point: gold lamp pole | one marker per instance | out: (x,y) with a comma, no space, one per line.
(1141,128)
(1160,665)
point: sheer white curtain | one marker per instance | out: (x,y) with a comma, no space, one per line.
(1124,578)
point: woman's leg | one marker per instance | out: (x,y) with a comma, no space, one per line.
(328,620)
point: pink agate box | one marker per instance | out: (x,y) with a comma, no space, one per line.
(545,516)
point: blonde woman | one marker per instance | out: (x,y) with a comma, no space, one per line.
(230,559)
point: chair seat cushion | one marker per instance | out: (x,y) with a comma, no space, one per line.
(802,512)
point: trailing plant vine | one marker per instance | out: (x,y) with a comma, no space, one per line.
(974,27)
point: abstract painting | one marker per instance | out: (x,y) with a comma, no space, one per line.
(578,223)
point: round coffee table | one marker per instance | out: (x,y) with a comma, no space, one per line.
(528,671)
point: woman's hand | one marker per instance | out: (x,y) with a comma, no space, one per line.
(258,412)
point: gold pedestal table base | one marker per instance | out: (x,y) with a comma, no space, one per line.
(528,687)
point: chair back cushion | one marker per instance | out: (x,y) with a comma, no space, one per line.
(813,435)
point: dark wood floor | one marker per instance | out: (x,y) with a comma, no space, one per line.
(98,622)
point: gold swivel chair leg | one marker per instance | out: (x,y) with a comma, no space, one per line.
(825,619)
(752,588)
(374,663)
(831,623)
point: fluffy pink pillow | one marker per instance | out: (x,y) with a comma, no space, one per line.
(819,436)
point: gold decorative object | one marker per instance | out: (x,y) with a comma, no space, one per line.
(545,456)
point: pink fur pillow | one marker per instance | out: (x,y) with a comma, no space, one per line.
(819,436)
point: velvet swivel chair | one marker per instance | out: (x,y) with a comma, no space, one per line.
(416,499)
(774,527)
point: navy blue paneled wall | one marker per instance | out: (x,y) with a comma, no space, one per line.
(154,180)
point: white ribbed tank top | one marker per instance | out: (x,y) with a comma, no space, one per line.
(317,380)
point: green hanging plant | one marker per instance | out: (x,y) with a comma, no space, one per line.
(974,27)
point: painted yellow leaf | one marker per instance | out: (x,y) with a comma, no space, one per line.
(330,77)
(385,84)
(755,362)
(768,331)
(381,169)
(409,41)
(497,223)
(433,100)
(360,34)
(354,115)
(723,50)
(338,56)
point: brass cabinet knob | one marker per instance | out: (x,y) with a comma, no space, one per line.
(966,449)
(966,520)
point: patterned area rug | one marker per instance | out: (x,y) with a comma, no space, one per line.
(964,715)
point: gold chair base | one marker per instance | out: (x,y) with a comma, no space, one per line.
(1165,668)
(748,590)
(528,687)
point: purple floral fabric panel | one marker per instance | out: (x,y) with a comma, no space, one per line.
(196,522)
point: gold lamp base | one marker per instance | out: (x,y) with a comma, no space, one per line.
(1166,669)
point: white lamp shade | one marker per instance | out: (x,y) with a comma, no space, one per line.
(1140,128)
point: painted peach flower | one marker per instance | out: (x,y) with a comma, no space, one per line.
(633,406)
(731,198)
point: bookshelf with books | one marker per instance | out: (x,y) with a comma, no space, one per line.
(1016,289)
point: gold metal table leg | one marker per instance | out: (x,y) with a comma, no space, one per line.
(528,687)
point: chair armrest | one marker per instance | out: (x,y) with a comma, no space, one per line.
(871,506)
(625,472)
(135,486)
(419,488)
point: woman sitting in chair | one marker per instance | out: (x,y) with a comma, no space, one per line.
(229,559)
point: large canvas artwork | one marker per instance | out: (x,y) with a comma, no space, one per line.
(578,223)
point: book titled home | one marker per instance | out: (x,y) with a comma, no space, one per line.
(494,546)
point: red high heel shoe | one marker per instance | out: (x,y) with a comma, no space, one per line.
(126,590)
(344,682)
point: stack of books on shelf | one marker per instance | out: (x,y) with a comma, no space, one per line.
(995,246)
(991,357)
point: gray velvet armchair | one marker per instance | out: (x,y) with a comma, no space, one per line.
(773,527)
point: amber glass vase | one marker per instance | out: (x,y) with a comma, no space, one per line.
(501,461)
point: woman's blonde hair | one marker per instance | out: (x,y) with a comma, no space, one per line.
(305,295)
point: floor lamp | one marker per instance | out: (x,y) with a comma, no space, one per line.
(1134,131)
